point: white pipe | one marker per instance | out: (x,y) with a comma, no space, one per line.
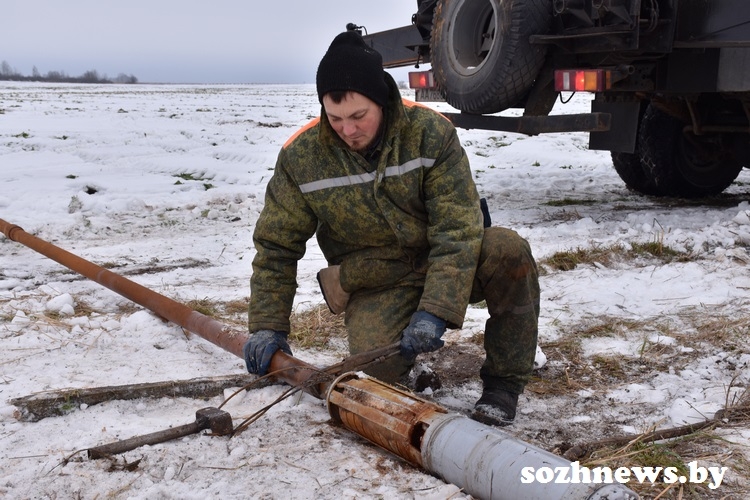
(488,463)
(483,461)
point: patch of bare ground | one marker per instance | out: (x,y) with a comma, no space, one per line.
(570,406)
(457,364)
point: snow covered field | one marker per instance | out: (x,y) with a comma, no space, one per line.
(163,184)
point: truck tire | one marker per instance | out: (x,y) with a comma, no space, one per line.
(681,163)
(480,51)
(630,169)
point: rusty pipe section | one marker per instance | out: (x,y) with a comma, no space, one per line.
(386,416)
(288,368)
(483,461)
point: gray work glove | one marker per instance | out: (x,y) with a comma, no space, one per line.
(422,335)
(261,347)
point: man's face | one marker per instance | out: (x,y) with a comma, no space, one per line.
(356,119)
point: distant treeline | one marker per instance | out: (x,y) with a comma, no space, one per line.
(91,76)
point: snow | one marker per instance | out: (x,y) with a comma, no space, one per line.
(163,183)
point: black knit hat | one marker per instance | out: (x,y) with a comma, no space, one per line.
(350,64)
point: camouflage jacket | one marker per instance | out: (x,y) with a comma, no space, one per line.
(412,219)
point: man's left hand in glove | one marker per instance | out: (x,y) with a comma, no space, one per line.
(422,335)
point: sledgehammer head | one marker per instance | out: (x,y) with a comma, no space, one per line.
(219,421)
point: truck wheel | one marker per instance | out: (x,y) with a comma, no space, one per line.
(684,164)
(480,51)
(630,169)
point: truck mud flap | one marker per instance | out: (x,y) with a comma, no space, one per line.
(623,131)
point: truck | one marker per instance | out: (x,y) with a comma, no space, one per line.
(670,78)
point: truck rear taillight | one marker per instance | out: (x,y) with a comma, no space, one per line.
(582,80)
(425,88)
(421,80)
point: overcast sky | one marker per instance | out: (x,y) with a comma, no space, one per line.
(186,41)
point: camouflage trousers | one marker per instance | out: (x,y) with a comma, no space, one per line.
(506,278)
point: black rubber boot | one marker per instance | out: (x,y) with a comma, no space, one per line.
(496,407)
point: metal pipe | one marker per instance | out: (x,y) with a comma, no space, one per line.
(483,461)
(289,369)
(490,463)
(180,314)
(384,415)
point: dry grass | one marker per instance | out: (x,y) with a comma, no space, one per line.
(237,307)
(8,316)
(315,327)
(639,454)
(205,306)
(617,253)
(705,446)
(565,202)
(608,327)
(562,216)
(737,407)
(570,259)
(569,371)
(564,369)
(232,312)
(728,331)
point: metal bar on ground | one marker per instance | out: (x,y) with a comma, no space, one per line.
(533,125)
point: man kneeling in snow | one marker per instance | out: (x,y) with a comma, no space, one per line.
(386,187)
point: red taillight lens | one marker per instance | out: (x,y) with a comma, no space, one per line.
(582,80)
(421,80)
